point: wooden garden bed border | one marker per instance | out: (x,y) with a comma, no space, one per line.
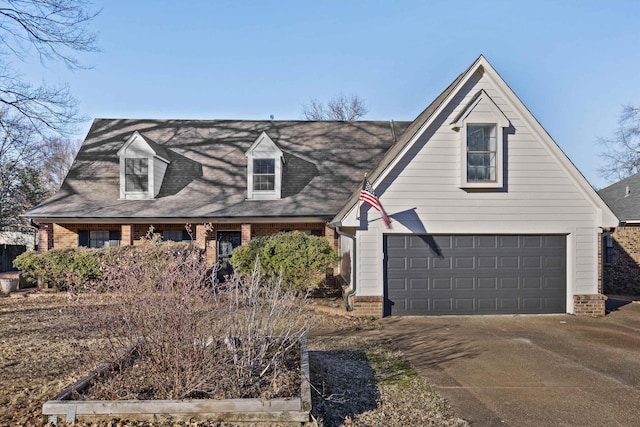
(289,411)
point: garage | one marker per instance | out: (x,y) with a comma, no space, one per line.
(474,274)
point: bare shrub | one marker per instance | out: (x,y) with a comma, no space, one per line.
(265,326)
(190,340)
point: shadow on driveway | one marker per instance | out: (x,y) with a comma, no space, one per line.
(541,370)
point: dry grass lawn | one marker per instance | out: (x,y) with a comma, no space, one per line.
(359,379)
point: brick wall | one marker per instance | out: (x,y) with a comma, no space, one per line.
(204,236)
(260,230)
(366,305)
(589,305)
(622,276)
(66,235)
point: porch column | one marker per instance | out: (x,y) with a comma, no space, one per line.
(45,237)
(201,236)
(126,235)
(245,233)
(330,235)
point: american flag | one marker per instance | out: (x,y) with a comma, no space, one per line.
(368,195)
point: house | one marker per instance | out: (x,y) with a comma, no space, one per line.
(13,242)
(488,214)
(621,247)
(228,180)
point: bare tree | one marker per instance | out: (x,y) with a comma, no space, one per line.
(53,30)
(340,107)
(21,179)
(622,150)
(60,153)
(34,116)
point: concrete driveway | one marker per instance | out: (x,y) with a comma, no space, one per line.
(529,370)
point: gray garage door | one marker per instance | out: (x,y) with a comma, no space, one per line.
(474,274)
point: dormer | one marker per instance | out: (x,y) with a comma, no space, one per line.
(264,169)
(481,127)
(143,164)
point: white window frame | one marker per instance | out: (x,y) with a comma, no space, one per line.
(257,174)
(264,148)
(497,161)
(148,165)
(481,110)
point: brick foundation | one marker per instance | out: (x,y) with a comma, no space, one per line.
(366,306)
(589,305)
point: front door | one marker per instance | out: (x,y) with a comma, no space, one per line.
(226,241)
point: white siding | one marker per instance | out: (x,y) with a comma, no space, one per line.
(138,148)
(423,195)
(159,168)
(345,245)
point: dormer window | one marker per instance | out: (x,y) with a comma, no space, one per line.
(264,169)
(481,126)
(136,175)
(264,174)
(143,164)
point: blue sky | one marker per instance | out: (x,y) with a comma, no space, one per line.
(573,63)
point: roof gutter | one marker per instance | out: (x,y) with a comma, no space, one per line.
(351,292)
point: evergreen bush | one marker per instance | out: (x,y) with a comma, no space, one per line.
(299,259)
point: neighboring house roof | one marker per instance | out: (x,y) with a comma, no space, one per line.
(623,198)
(324,164)
(19,238)
(437,109)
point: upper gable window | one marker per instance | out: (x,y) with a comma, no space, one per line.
(481,152)
(264,174)
(481,126)
(136,172)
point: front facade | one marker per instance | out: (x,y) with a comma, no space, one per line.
(621,246)
(217,183)
(488,215)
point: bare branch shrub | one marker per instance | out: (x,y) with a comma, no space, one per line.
(192,341)
(265,326)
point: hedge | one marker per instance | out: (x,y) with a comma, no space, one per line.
(299,259)
(81,267)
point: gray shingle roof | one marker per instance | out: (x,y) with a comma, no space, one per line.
(625,206)
(324,165)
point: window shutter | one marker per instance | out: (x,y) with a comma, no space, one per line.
(83,238)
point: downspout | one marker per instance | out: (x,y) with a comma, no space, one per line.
(353,265)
